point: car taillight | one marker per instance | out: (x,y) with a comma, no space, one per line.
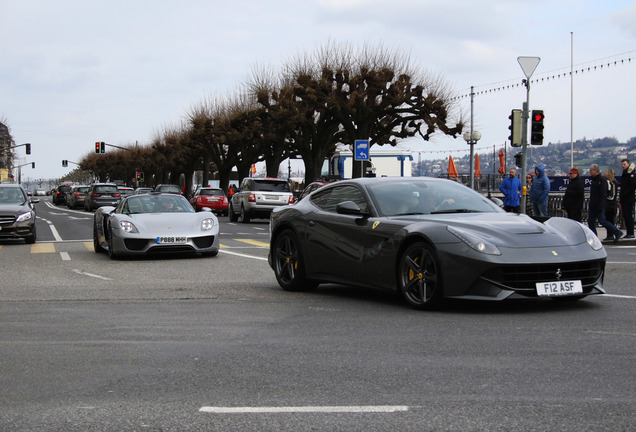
(117,195)
(77,194)
(94,194)
(252,198)
(291,199)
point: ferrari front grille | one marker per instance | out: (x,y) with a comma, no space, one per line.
(525,276)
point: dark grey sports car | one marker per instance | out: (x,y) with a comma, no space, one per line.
(152,223)
(430,239)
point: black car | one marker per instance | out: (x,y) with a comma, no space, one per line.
(17,217)
(430,239)
(58,196)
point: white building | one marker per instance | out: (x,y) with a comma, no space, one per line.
(385,161)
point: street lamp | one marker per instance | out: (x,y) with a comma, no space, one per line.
(471,139)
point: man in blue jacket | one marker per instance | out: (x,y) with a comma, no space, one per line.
(511,188)
(540,192)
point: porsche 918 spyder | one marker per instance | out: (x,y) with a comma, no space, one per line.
(151,223)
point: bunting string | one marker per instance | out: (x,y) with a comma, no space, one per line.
(593,66)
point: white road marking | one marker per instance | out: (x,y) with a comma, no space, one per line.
(65,256)
(79,272)
(54,231)
(242,255)
(306,409)
(619,296)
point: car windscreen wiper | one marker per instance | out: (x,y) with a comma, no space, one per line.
(455,211)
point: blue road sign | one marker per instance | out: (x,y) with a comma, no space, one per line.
(361,150)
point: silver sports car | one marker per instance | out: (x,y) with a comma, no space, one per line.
(430,239)
(151,223)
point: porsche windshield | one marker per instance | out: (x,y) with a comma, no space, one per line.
(413,197)
(156,204)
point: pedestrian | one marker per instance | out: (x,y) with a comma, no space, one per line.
(612,196)
(511,188)
(540,192)
(574,196)
(526,192)
(598,198)
(627,196)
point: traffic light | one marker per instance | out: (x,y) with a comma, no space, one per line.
(33,165)
(515,128)
(28,148)
(64,163)
(97,147)
(102,147)
(536,134)
(518,160)
(141,176)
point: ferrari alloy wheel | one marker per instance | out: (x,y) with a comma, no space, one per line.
(289,265)
(418,276)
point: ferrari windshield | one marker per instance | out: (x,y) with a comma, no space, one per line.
(421,196)
(168,203)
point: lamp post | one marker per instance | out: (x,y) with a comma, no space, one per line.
(471,138)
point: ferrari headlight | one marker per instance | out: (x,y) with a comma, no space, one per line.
(480,245)
(24,217)
(207,224)
(128,227)
(591,238)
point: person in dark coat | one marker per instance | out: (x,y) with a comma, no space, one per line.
(628,195)
(574,196)
(540,192)
(612,196)
(598,199)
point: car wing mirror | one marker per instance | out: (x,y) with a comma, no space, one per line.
(350,208)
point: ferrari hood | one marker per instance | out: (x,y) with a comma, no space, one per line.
(513,230)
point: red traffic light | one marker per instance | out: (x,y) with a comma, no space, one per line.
(538,116)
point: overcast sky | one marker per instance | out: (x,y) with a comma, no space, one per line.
(76,72)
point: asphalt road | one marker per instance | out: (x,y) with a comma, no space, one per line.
(213,344)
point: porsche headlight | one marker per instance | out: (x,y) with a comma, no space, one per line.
(207,224)
(128,227)
(24,217)
(480,245)
(591,238)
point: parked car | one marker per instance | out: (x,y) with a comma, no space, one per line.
(58,195)
(428,239)
(39,192)
(76,196)
(154,223)
(212,198)
(125,191)
(257,197)
(101,194)
(17,216)
(168,188)
(143,190)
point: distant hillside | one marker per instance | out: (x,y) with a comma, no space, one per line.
(606,152)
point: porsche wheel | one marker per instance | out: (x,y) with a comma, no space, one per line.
(289,265)
(419,277)
(111,252)
(96,246)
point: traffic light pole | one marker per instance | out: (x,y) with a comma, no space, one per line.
(524,146)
